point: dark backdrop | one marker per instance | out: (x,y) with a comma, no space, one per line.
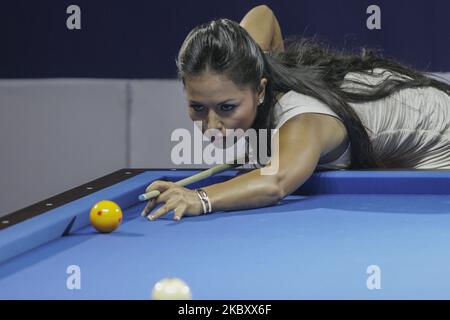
(140,38)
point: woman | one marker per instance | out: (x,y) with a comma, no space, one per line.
(333,110)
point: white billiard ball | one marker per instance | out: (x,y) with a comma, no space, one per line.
(171,289)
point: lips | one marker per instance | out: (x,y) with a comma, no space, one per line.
(218,142)
(225,142)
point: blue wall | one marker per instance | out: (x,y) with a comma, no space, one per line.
(140,38)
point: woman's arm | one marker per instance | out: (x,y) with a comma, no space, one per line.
(302,140)
(261,23)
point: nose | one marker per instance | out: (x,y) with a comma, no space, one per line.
(213,121)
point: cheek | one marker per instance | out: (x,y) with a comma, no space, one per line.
(243,117)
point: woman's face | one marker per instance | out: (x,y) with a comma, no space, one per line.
(219,104)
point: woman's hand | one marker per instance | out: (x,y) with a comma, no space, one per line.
(184,201)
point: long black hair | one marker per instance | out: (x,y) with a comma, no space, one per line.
(307,66)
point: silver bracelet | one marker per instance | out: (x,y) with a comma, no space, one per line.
(201,200)
(204,199)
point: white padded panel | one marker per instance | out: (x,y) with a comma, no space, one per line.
(157,108)
(440,75)
(58,134)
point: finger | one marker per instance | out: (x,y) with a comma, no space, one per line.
(168,194)
(179,212)
(161,211)
(150,205)
(159,185)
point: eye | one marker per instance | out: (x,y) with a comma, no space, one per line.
(227,107)
(197,108)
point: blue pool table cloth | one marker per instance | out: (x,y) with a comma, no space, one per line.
(318,243)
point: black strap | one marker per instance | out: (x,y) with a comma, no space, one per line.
(335,153)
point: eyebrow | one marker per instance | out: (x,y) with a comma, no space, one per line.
(228,100)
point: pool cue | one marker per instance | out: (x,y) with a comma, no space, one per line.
(194,178)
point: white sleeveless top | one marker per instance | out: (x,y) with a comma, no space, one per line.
(292,104)
(412,125)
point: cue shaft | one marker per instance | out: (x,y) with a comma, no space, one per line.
(194,178)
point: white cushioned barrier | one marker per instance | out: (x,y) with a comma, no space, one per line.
(58,134)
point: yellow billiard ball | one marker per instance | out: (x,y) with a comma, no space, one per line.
(105,216)
(171,289)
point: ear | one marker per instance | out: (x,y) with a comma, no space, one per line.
(262,89)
